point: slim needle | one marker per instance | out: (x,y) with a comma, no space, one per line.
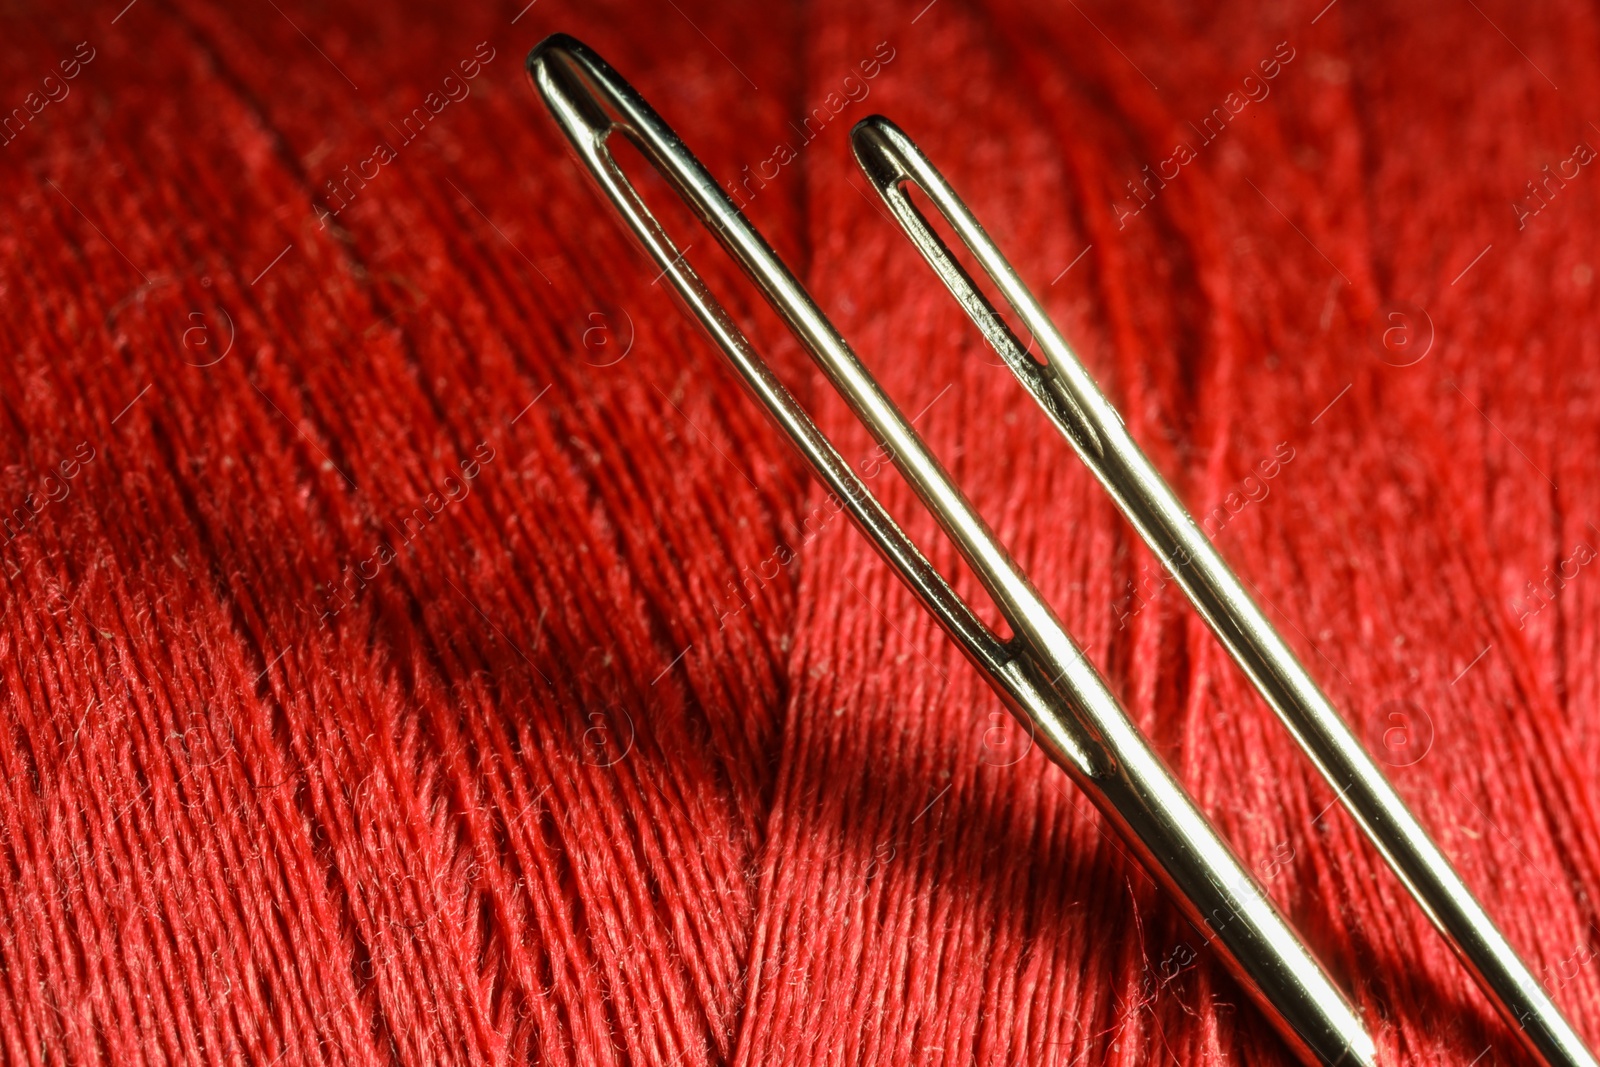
(1039,672)
(1069,396)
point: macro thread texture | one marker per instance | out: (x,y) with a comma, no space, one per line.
(417,650)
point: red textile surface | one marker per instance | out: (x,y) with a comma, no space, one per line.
(547,783)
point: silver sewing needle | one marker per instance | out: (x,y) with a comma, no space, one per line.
(1069,395)
(1039,672)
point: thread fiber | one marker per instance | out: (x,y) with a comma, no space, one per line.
(415,649)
